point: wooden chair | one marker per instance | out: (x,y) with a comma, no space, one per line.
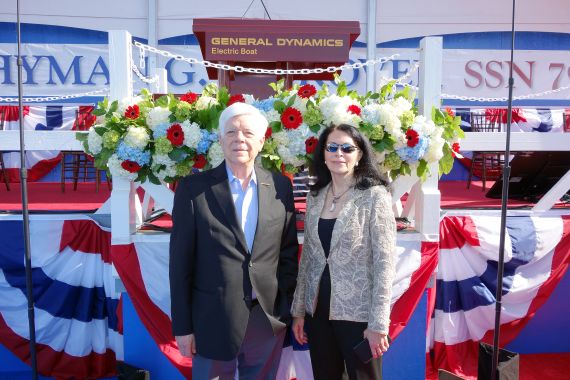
(2,166)
(78,165)
(489,165)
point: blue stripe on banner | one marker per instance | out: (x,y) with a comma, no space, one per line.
(546,122)
(54,119)
(453,296)
(56,297)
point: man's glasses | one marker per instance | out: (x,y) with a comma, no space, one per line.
(345,148)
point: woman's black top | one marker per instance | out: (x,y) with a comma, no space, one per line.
(324,297)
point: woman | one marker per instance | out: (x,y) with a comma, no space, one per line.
(345,276)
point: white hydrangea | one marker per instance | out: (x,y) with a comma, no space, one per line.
(401,105)
(126,102)
(94,141)
(335,110)
(100,120)
(249,99)
(116,169)
(435,149)
(215,154)
(299,103)
(156,116)
(281,138)
(271,115)
(192,135)
(297,137)
(137,137)
(288,157)
(371,113)
(205,102)
(170,166)
(424,126)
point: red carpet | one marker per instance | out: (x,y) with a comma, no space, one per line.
(545,367)
(47,196)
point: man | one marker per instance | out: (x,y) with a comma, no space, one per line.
(233,258)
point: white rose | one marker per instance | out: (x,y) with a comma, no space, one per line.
(205,102)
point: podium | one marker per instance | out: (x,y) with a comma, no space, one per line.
(272,44)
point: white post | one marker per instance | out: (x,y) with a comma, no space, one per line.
(120,57)
(161,85)
(428,204)
(123,212)
(371,46)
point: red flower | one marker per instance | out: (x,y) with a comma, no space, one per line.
(130,166)
(413,138)
(354,109)
(268,132)
(449,111)
(291,118)
(189,97)
(311,144)
(175,135)
(132,112)
(454,149)
(237,98)
(306,91)
(200,161)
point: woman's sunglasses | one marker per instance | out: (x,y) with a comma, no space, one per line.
(345,148)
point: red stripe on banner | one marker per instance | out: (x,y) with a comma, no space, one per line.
(156,322)
(455,231)
(59,364)
(36,172)
(87,237)
(460,359)
(11,112)
(405,306)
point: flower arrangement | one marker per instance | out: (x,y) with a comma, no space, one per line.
(167,138)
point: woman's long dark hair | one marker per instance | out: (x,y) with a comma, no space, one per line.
(366,174)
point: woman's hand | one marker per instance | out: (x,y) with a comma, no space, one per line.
(378,342)
(298,331)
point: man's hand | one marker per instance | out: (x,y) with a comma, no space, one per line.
(186,345)
(298,331)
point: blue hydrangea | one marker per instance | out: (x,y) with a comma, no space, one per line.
(411,155)
(160,130)
(207,139)
(264,105)
(126,152)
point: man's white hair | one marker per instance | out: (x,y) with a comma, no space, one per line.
(260,123)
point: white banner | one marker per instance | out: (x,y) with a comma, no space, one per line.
(57,69)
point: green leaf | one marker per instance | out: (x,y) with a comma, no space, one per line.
(423,170)
(177,155)
(162,101)
(315,128)
(279,106)
(387,143)
(223,95)
(276,126)
(341,90)
(291,101)
(103,157)
(113,108)
(81,136)
(152,178)
(99,112)
(101,130)
(446,162)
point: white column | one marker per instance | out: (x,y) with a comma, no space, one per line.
(427,208)
(123,212)
(371,46)
(120,57)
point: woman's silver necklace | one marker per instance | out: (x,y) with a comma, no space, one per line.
(335,198)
